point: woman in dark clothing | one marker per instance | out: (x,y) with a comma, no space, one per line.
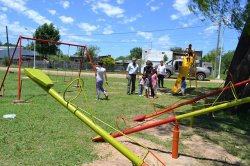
(147,71)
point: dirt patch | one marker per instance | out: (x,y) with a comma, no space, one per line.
(198,151)
(111,157)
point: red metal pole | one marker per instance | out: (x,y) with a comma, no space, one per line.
(19,69)
(143,117)
(175,141)
(10,62)
(136,129)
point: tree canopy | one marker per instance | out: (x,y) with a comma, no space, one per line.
(230,12)
(136,52)
(47,32)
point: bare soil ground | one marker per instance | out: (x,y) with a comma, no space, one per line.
(198,151)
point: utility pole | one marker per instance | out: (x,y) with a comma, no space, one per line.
(221,52)
(34,57)
(217,48)
(7,36)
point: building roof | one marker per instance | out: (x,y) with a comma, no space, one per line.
(4,52)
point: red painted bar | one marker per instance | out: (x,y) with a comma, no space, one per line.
(143,117)
(136,129)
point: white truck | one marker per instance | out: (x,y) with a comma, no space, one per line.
(173,67)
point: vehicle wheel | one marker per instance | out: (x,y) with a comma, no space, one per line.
(200,76)
(168,74)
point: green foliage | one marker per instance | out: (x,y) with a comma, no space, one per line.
(135,52)
(226,60)
(108,61)
(93,51)
(177,49)
(210,56)
(230,12)
(5,61)
(47,32)
(58,58)
(122,58)
(165,58)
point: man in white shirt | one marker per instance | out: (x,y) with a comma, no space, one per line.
(161,71)
(132,71)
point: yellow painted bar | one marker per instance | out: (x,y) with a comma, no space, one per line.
(45,82)
(214,108)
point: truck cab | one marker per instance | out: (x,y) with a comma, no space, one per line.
(173,67)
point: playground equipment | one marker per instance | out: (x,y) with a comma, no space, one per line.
(184,71)
(19,46)
(46,83)
(144,117)
(178,118)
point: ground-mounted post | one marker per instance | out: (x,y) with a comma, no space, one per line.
(175,141)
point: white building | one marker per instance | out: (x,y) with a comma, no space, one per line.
(154,56)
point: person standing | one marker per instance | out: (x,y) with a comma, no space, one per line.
(100,74)
(132,71)
(148,71)
(189,51)
(161,71)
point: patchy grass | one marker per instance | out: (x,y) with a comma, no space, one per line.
(45,133)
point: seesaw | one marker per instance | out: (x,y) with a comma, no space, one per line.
(144,117)
(46,83)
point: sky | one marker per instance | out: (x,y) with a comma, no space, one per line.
(115,26)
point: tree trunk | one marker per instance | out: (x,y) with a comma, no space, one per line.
(239,69)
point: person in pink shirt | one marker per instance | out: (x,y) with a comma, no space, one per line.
(154,83)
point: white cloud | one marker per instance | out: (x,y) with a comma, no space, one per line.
(182,7)
(4,9)
(65,19)
(132,28)
(154,8)
(108,30)
(14,28)
(65,4)
(174,17)
(163,41)
(52,12)
(211,29)
(146,35)
(149,2)
(120,1)
(19,6)
(109,10)
(131,19)
(101,20)
(87,27)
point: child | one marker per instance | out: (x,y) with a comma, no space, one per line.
(154,83)
(183,86)
(141,85)
(147,85)
(100,74)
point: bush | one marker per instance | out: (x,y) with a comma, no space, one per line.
(5,61)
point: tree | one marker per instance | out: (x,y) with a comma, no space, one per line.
(93,51)
(176,49)
(47,32)
(136,52)
(226,60)
(239,69)
(122,58)
(109,61)
(165,58)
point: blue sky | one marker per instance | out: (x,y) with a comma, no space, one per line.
(115,26)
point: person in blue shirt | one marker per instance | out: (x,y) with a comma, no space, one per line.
(183,86)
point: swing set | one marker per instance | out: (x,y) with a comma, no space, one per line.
(18,51)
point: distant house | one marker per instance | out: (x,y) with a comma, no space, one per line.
(154,56)
(26,54)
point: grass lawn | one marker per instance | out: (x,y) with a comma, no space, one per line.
(45,133)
